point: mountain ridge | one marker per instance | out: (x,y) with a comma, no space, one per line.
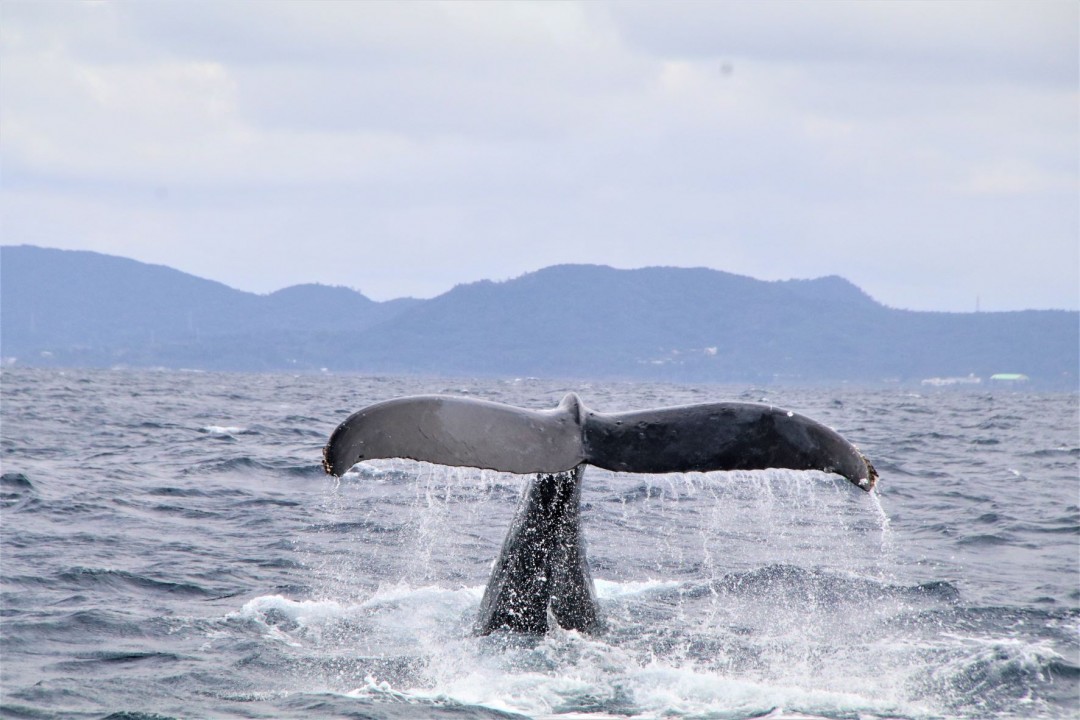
(570,320)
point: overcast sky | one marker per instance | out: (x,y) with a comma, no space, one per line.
(926,151)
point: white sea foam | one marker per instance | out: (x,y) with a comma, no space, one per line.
(565,671)
(302,612)
(609,590)
(568,672)
(222,430)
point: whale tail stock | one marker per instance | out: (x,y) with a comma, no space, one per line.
(542,571)
(542,568)
(464,432)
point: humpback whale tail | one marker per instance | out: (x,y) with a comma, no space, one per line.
(542,568)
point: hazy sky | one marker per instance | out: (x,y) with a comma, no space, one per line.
(927,151)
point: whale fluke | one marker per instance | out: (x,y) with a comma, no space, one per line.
(542,571)
(457,431)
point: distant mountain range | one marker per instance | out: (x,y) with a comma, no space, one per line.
(75,308)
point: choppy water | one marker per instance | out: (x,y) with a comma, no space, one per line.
(171,548)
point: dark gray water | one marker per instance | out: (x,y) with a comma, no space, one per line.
(171,548)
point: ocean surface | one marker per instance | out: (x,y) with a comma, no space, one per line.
(172,549)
